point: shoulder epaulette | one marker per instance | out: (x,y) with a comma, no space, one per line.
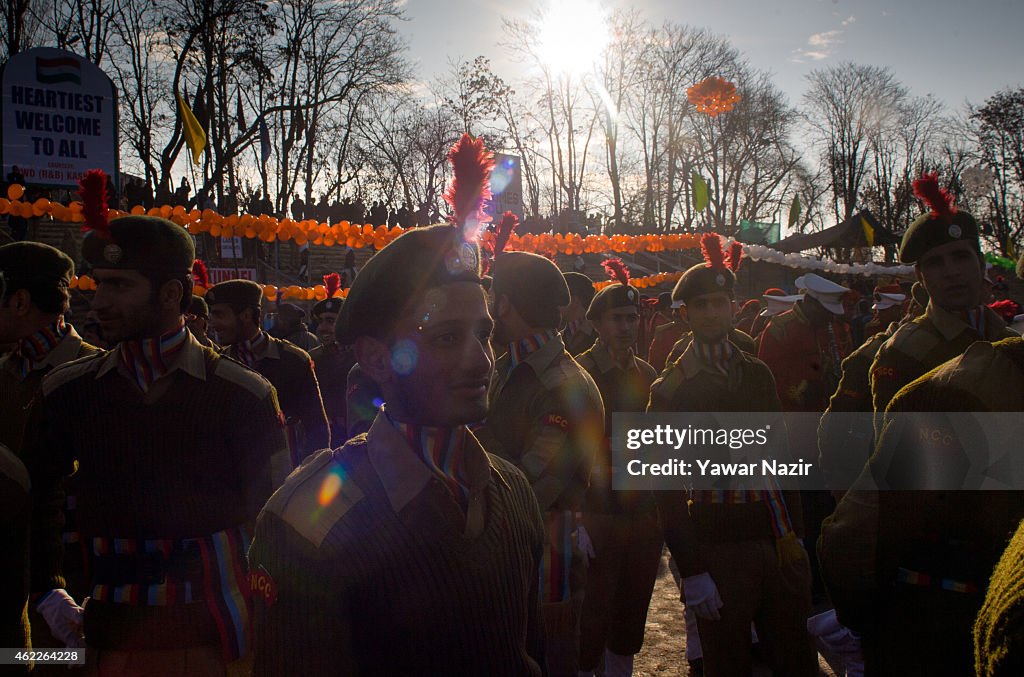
(69,371)
(300,502)
(669,382)
(586,360)
(913,338)
(235,372)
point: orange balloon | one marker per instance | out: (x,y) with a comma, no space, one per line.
(15,191)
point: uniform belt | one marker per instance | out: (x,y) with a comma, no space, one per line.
(147,568)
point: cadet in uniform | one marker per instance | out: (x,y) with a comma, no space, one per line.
(738,551)
(235,308)
(545,416)
(332,361)
(944,247)
(33,299)
(888,308)
(197,319)
(621,526)
(171,447)
(906,567)
(805,346)
(578,333)
(410,550)
(776,302)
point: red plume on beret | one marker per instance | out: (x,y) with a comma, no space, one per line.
(470,188)
(1006,309)
(617,270)
(93,190)
(735,255)
(332,282)
(711,248)
(200,275)
(508,224)
(939,201)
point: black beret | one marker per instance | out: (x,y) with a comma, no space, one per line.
(703,279)
(928,231)
(145,243)
(580,286)
(236,292)
(415,261)
(198,307)
(616,295)
(331,305)
(534,285)
(30,263)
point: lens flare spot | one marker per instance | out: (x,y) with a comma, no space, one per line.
(404,357)
(329,488)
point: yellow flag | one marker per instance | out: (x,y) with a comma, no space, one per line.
(869,232)
(195,137)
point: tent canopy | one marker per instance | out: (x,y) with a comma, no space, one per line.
(851,233)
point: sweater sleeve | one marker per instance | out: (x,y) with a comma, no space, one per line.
(302,617)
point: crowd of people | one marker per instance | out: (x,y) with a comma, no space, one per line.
(424,483)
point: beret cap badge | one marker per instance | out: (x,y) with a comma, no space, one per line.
(955,231)
(462,258)
(112,253)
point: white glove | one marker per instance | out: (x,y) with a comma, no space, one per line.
(63,616)
(701,595)
(584,544)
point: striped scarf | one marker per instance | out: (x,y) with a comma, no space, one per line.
(717,355)
(443,450)
(975,319)
(150,359)
(33,349)
(521,349)
(250,350)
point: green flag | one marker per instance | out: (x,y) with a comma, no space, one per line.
(794,211)
(700,193)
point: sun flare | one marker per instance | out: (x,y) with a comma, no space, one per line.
(571,36)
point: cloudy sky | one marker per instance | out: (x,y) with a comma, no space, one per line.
(956,50)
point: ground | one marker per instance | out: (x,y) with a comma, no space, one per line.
(664,652)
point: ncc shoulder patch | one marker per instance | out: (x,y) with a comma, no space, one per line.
(262,586)
(237,373)
(315,496)
(557,420)
(69,371)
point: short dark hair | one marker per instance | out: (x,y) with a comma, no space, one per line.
(47,295)
(158,279)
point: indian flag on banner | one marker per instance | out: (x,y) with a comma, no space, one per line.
(58,69)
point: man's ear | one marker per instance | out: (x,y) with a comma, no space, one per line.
(171,294)
(374,358)
(20,302)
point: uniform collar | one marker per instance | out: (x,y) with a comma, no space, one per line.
(692,364)
(951,325)
(404,475)
(604,360)
(191,359)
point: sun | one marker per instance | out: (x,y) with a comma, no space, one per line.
(571,36)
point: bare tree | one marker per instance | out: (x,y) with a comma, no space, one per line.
(847,106)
